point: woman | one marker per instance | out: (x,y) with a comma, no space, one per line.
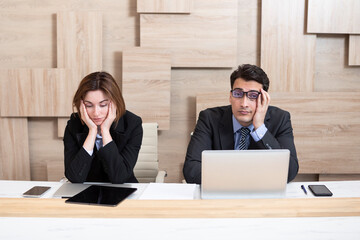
(102,140)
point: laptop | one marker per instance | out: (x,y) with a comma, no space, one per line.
(68,189)
(232,174)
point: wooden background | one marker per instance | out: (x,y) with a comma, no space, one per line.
(174,52)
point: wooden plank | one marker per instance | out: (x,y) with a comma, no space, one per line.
(354,50)
(287,55)
(43,132)
(205,38)
(332,70)
(36,92)
(339,177)
(240,208)
(26,39)
(146,84)
(333,16)
(55,170)
(61,125)
(326,128)
(164,6)
(79,41)
(14,149)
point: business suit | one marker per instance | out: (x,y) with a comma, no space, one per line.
(214,131)
(112,163)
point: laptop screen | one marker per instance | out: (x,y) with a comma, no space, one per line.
(244,174)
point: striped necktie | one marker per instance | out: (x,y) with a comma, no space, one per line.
(244,132)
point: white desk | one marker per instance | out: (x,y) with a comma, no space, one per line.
(342,227)
(14,189)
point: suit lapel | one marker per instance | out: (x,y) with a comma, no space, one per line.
(226,131)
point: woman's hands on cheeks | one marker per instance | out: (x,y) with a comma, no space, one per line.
(263,102)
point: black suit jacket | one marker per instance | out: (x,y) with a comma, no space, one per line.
(112,163)
(214,131)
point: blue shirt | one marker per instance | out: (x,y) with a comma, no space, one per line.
(257,135)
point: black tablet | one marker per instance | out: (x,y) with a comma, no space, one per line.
(101,195)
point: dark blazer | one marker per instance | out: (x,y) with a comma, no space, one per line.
(112,163)
(214,131)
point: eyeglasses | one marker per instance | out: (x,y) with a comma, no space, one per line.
(238,93)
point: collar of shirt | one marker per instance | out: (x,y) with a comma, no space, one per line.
(237,125)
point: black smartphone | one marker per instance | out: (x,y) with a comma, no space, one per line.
(36,191)
(320,190)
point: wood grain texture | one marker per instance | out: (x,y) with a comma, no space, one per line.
(164,6)
(241,208)
(205,38)
(27,39)
(36,92)
(332,73)
(14,149)
(146,84)
(61,125)
(55,170)
(326,128)
(79,41)
(333,16)
(45,149)
(339,177)
(287,54)
(354,50)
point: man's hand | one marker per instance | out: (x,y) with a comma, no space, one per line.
(263,102)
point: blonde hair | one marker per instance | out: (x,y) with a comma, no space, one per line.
(100,81)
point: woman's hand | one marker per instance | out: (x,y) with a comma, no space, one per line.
(105,126)
(86,119)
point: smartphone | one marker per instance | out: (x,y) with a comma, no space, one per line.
(320,190)
(36,191)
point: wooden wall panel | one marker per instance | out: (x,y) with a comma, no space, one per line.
(79,41)
(333,16)
(326,127)
(36,92)
(45,148)
(287,54)
(205,38)
(55,170)
(14,149)
(354,50)
(332,73)
(146,84)
(164,6)
(27,39)
(61,125)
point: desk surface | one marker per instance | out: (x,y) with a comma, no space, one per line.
(240,208)
(340,189)
(345,202)
(298,216)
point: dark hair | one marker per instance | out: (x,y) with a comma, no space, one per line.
(250,72)
(100,81)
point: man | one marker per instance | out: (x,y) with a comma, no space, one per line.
(249,117)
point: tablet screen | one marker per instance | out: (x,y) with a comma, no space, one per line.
(101,195)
